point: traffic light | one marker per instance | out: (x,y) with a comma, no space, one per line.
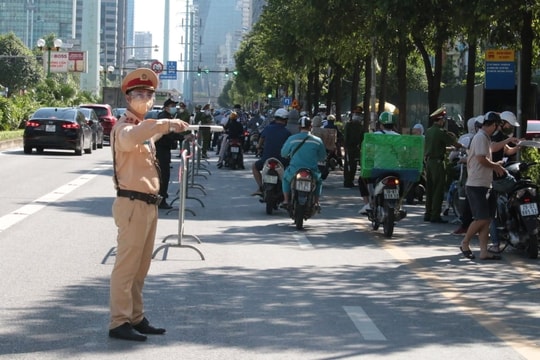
(226,72)
(206,71)
(235,72)
(199,71)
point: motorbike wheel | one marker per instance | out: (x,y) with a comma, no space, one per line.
(388,223)
(532,249)
(299,216)
(269,207)
(456,204)
(374,220)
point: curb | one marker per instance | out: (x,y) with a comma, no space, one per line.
(9,144)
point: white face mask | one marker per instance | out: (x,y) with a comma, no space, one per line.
(141,106)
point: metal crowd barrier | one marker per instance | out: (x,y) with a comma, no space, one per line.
(183,185)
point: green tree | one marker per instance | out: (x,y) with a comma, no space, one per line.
(19,69)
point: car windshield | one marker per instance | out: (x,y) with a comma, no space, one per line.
(101,111)
(55,113)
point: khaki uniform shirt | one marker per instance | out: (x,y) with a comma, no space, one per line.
(133,150)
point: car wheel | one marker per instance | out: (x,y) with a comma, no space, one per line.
(100,144)
(27,150)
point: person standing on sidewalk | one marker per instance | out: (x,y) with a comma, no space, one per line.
(136,180)
(437,139)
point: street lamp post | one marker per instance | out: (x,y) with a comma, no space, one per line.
(106,71)
(57,44)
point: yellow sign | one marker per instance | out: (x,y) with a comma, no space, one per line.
(504,55)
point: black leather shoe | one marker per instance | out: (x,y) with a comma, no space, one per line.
(126,332)
(144,327)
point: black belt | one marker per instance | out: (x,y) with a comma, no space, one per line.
(135,195)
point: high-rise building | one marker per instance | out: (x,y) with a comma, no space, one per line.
(143,45)
(31,20)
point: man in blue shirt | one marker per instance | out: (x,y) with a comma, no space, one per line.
(271,140)
(307,154)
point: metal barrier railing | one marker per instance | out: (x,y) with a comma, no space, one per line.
(182,192)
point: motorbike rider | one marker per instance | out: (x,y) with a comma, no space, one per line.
(387,121)
(271,139)
(233,130)
(305,151)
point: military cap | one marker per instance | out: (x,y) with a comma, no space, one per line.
(169,102)
(141,78)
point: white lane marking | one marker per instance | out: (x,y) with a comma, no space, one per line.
(24,211)
(303,242)
(364,324)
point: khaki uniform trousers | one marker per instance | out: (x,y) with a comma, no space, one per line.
(137,223)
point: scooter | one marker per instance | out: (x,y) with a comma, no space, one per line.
(517,211)
(387,204)
(302,205)
(272,175)
(234,158)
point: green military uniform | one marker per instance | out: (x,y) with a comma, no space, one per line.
(354,133)
(437,139)
(201,118)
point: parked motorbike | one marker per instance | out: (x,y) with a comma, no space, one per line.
(517,211)
(302,205)
(272,175)
(234,158)
(455,197)
(387,204)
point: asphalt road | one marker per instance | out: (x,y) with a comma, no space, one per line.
(337,290)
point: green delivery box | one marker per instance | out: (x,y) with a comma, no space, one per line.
(402,155)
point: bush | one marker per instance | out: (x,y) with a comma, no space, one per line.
(531,154)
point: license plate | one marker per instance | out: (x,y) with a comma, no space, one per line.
(528,209)
(235,149)
(303,186)
(270,179)
(50,128)
(391,193)
(322,163)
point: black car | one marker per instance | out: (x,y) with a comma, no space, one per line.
(97,130)
(57,128)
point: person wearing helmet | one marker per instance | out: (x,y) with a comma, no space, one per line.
(233,130)
(437,140)
(503,145)
(480,170)
(305,151)
(387,121)
(386,127)
(271,139)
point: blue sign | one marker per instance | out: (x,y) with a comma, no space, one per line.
(166,76)
(287,101)
(171,71)
(500,75)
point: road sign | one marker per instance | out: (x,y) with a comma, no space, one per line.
(156,66)
(166,76)
(500,69)
(287,101)
(171,70)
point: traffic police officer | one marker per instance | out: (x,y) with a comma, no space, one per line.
(136,180)
(437,139)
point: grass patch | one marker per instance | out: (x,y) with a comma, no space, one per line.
(10,135)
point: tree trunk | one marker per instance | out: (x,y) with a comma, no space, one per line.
(527,36)
(471,69)
(402,81)
(383,79)
(367,94)
(355,82)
